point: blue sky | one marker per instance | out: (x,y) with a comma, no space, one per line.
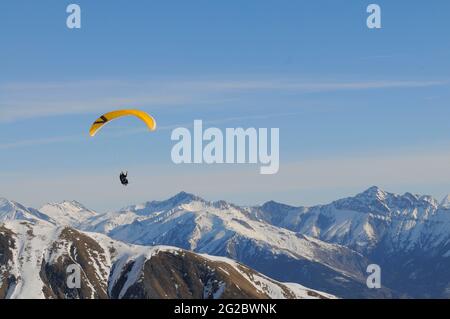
(355,107)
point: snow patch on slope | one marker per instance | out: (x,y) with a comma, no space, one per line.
(31,243)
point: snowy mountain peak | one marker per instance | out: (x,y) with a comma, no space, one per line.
(67,212)
(10,210)
(70,204)
(414,200)
(155,206)
(429,199)
(411,196)
(273,205)
(183,197)
(374,192)
(6,204)
(375,200)
(445,203)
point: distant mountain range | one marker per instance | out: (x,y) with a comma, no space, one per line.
(325,247)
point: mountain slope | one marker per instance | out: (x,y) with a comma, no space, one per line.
(34,257)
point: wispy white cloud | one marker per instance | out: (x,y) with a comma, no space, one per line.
(127,131)
(304,86)
(40,141)
(30,100)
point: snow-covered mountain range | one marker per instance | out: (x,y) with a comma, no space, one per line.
(407,235)
(400,222)
(326,247)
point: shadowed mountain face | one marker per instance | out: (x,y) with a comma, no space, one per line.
(7,245)
(35,256)
(327,247)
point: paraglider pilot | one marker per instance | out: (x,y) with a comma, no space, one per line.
(123,178)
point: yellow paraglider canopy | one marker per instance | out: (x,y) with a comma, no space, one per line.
(106,118)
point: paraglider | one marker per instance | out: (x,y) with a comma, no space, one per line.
(123,178)
(108,117)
